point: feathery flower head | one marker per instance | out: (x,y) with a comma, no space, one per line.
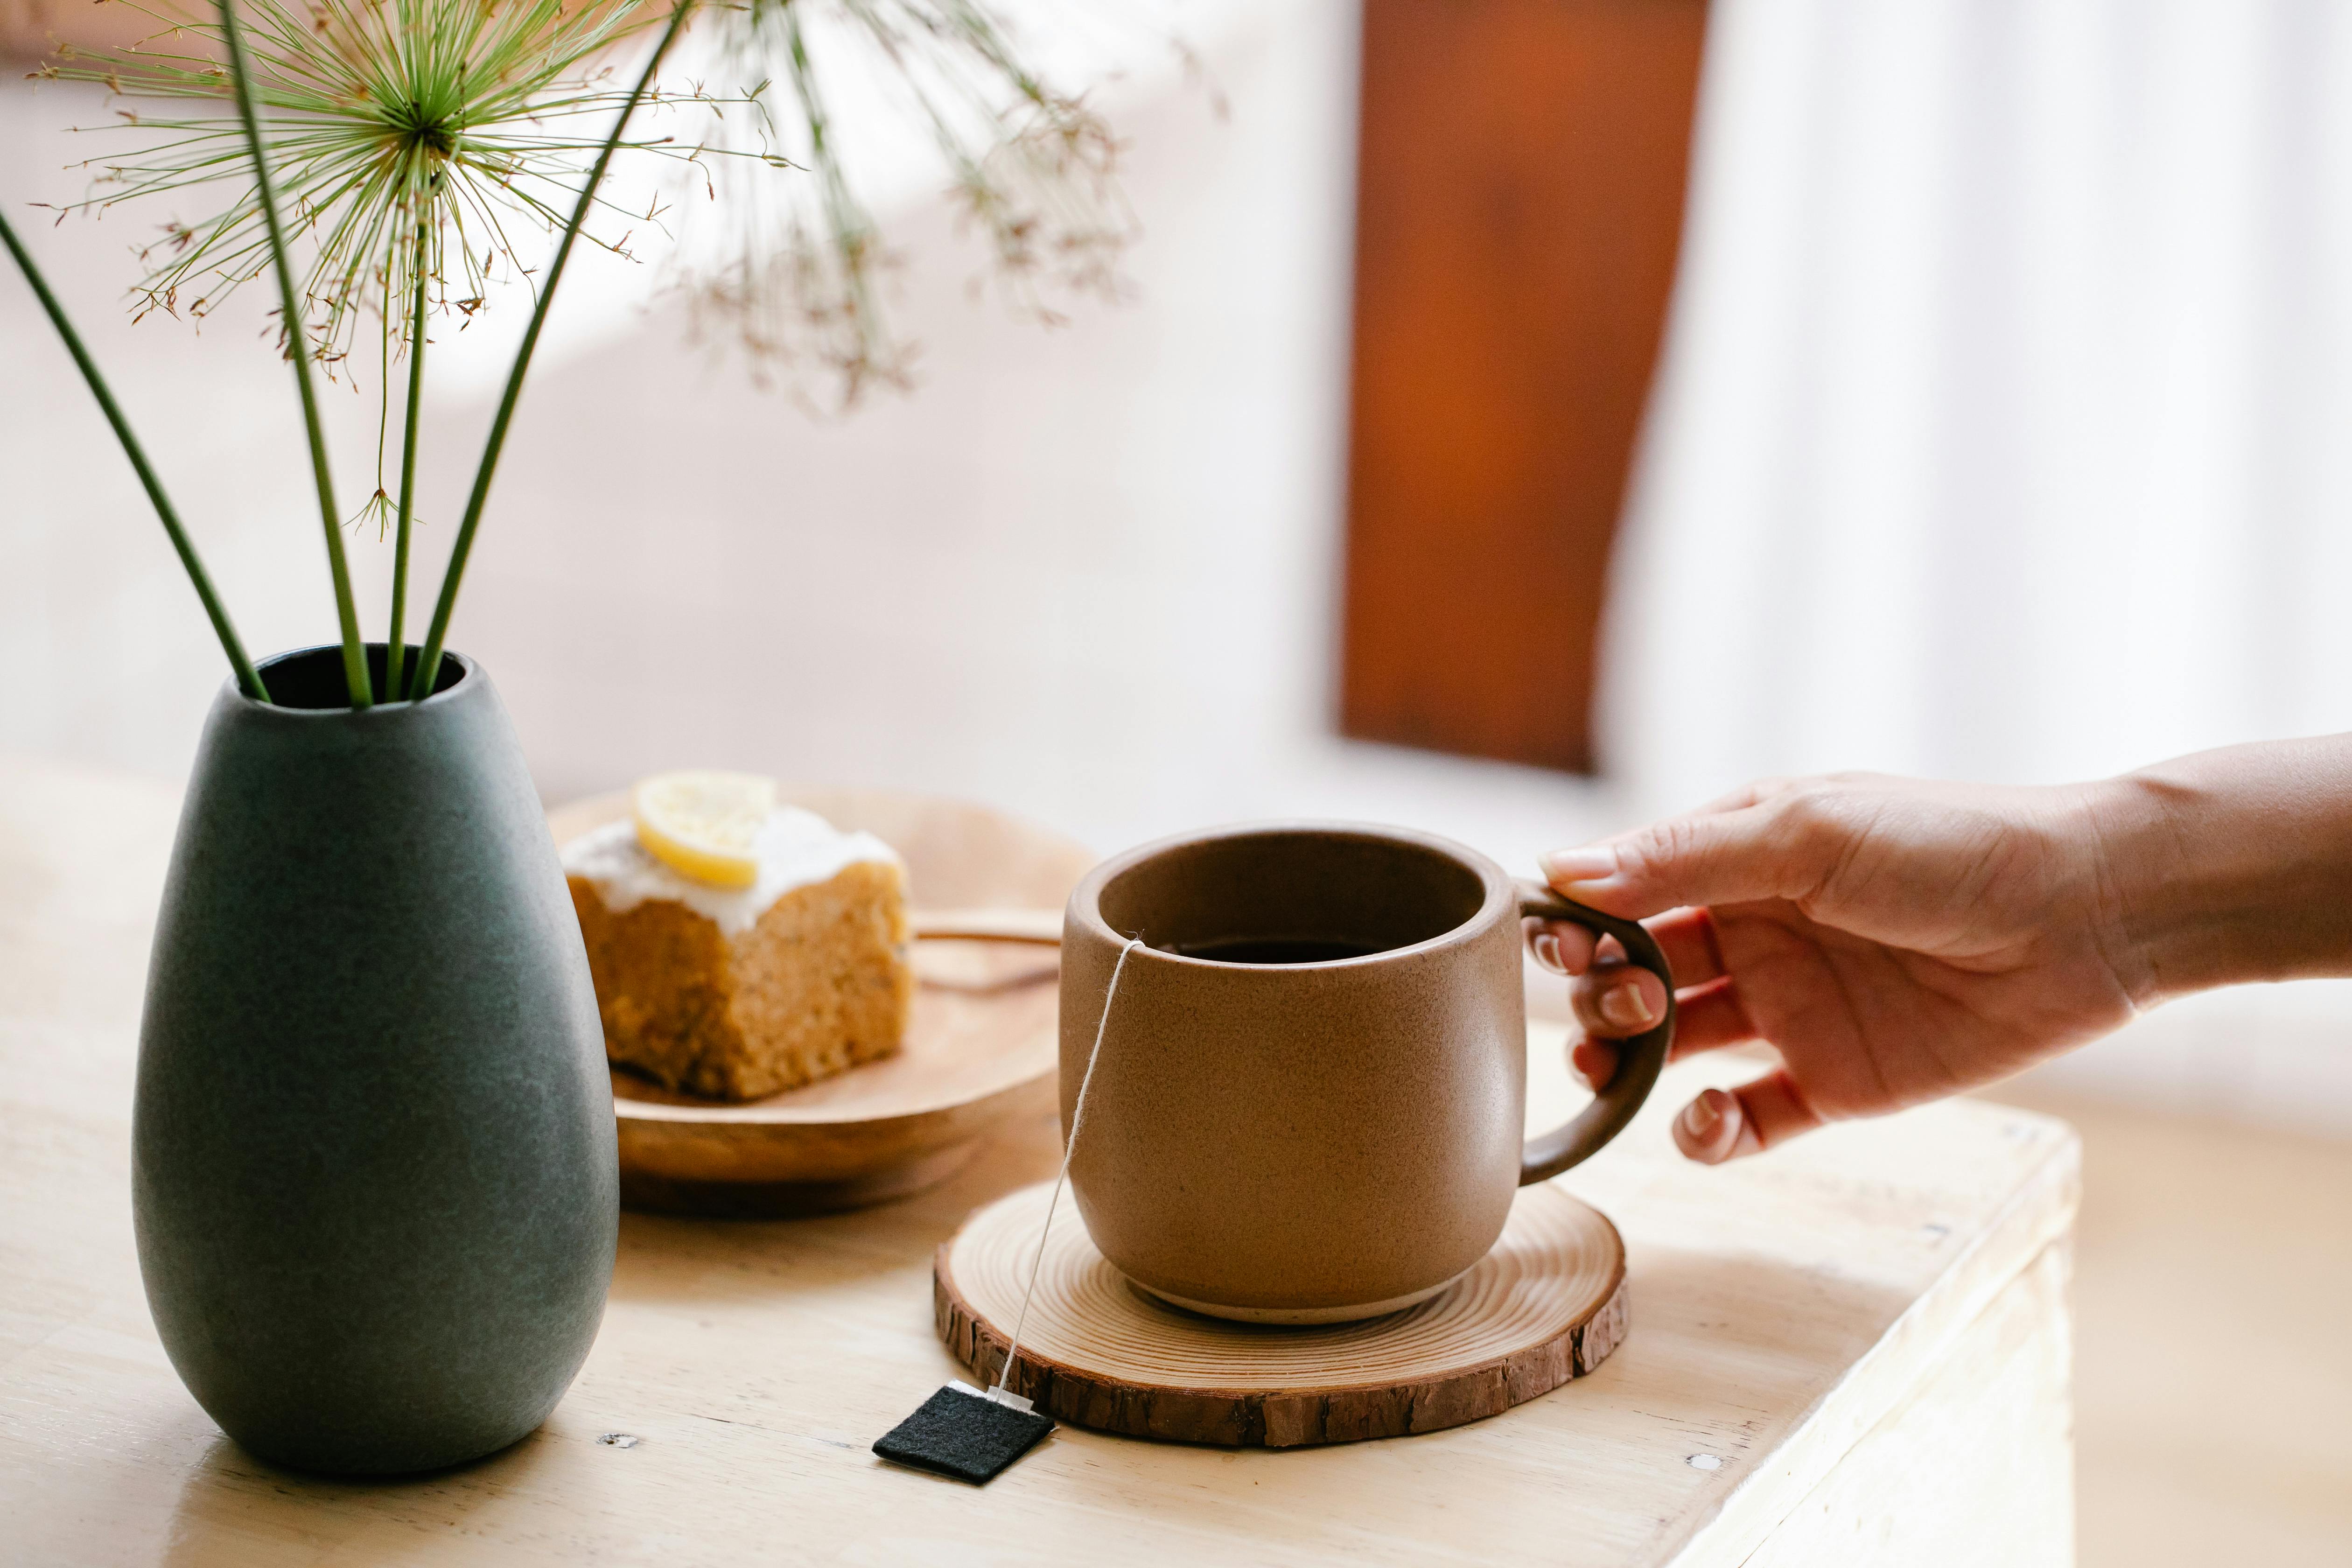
(435,139)
(408,139)
(1033,169)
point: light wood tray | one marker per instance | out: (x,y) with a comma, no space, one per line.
(1546,1305)
(981,1046)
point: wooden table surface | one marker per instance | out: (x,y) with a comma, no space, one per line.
(1852,1350)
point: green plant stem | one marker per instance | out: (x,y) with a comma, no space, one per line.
(428,663)
(355,670)
(394,649)
(249,679)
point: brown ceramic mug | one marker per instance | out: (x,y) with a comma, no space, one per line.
(1309,1102)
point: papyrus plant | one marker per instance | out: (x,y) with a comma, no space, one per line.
(379,163)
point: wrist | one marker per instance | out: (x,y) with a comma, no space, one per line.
(2148,921)
(2226,868)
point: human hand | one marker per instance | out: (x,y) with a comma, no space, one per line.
(1894,941)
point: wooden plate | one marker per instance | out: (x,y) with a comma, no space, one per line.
(981,1045)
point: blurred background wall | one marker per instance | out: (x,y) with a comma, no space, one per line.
(1085,571)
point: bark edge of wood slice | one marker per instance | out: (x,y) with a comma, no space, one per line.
(1546,1305)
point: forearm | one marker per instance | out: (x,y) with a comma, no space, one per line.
(2229,867)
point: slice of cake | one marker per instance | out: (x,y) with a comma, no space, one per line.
(779,961)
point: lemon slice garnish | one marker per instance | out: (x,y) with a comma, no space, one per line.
(701,825)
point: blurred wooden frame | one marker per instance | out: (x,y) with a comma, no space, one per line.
(1520,206)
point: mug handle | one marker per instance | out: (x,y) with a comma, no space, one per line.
(1638,1058)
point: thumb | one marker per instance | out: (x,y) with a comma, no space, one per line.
(1775,849)
(1728,1123)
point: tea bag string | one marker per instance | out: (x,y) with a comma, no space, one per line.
(1069,1144)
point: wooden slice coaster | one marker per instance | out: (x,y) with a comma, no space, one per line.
(1546,1305)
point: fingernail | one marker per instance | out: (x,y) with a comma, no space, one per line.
(1546,950)
(1708,1127)
(1623,1006)
(1589,863)
(1701,1118)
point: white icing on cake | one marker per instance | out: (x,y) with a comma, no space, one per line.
(795,848)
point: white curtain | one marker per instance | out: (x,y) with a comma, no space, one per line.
(2005,427)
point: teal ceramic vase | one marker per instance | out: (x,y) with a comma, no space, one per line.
(373,1163)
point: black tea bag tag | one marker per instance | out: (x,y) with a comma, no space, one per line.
(960,1431)
(966,1434)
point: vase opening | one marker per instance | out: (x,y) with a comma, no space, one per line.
(312,678)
